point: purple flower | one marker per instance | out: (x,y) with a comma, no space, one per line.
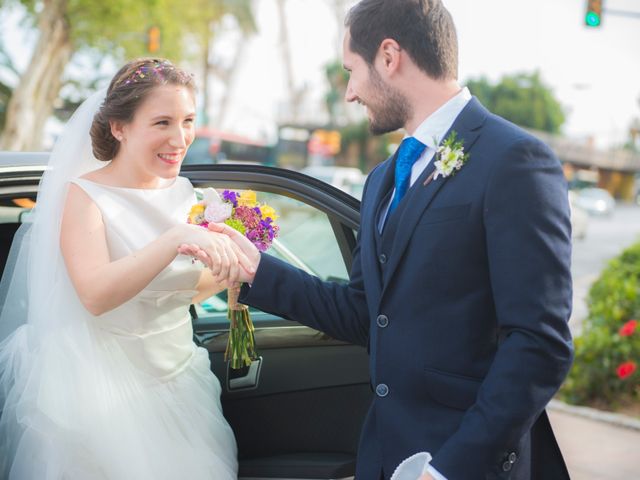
(263,247)
(231,197)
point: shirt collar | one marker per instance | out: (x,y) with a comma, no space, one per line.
(434,127)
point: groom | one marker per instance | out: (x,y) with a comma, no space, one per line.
(460,286)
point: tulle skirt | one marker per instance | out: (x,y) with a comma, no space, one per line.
(75,408)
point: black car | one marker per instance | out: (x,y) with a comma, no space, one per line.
(298,410)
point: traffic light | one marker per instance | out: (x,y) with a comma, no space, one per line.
(593,16)
(153,39)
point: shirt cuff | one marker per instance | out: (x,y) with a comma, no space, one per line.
(435,473)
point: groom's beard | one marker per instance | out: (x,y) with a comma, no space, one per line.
(389,109)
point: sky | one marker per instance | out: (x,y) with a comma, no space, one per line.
(594,72)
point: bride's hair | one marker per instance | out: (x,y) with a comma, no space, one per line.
(128,89)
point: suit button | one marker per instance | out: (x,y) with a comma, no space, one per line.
(382,258)
(513,457)
(382,321)
(382,390)
(506,466)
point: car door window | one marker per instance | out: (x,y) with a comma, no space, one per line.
(306,240)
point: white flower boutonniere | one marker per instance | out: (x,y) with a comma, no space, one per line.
(450,157)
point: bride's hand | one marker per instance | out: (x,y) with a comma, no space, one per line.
(224,258)
(194,251)
(248,249)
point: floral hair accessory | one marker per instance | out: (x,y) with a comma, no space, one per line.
(158,70)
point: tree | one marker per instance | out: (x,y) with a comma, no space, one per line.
(523,99)
(633,143)
(115,28)
(6,90)
(211,26)
(338,78)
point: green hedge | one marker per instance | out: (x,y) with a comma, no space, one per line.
(608,350)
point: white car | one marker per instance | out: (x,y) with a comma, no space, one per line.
(596,201)
(579,218)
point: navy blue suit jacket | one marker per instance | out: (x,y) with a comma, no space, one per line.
(463,305)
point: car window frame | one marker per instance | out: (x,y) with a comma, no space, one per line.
(342,210)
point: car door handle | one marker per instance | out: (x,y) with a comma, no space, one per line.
(246,378)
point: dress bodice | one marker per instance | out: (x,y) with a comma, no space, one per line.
(154,327)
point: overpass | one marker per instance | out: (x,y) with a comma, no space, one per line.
(614,170)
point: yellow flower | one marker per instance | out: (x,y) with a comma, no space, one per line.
(268,211)
(248,198)
(196,215)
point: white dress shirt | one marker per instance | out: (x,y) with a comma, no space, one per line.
(431,132)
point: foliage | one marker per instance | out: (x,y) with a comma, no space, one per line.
(118,30)
(338,79)
(523,99)
(608,350)
(119,27)
(356,139)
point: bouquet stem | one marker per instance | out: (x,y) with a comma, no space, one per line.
(241,348)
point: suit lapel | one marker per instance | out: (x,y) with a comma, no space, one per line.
(467,125)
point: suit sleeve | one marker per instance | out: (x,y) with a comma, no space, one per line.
(528,242)
(336,309)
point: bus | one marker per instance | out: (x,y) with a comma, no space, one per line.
(212,146)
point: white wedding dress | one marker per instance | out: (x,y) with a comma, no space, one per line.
(127,394)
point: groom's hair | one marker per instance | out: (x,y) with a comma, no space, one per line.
(424,28)
(133,83)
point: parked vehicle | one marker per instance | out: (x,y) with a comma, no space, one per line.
(297,412)
(596,201)
(579,218)
(212,146)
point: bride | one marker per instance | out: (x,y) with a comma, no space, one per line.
(100,378)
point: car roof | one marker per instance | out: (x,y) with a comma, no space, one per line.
(23,159)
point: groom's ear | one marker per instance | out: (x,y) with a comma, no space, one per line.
(389,54)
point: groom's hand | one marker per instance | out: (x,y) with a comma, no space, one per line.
(425,476)
(248,271)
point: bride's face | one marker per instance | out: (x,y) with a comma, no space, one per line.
(155,142)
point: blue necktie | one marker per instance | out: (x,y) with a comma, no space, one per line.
(409,151)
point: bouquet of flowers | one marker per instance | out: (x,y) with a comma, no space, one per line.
(242,212)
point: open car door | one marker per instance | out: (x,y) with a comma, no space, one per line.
(298,410)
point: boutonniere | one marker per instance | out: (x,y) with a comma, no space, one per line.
(449,158)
